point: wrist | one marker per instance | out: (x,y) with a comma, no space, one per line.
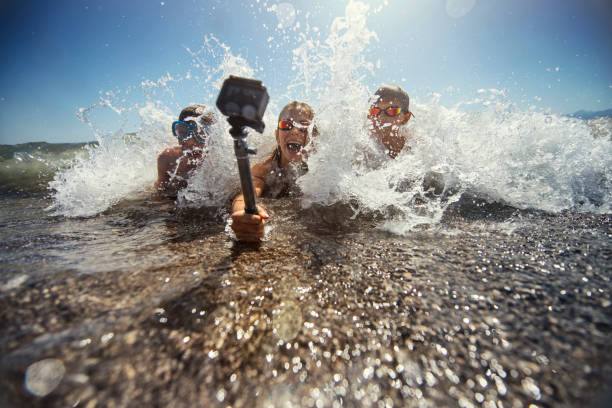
(238,205)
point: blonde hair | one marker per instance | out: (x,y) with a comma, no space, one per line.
(297,106)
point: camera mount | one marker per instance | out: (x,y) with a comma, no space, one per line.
(244,101)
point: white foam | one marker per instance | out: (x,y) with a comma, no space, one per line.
(14,282)
(485,144)
(120,166)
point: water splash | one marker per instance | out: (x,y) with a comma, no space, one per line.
(123,164)
(114,169)
(484,145)
(532,159)
(494,150)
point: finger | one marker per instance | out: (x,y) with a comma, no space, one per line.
(239,224)
(249,237)
(241,217)
(262,212)
(248,229)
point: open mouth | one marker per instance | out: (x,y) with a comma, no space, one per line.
(294,147)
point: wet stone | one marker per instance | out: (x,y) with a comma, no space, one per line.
(349,317)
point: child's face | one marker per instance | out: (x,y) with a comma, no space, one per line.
(382,122)
(385,128)
(190,143)
(292,141)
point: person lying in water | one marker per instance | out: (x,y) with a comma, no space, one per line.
(276,175)
(175,163)
(388,115)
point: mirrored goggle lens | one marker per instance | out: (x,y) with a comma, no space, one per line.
(392,111)
(182,130)
(289,124)
(285,125)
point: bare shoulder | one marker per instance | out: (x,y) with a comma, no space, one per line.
(170,154)
(262,168)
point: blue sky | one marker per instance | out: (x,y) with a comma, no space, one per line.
(61,56)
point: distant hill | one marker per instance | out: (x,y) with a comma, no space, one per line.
(583,114)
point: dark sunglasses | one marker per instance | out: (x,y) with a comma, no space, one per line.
(302,126)
(390,111)
(183,130)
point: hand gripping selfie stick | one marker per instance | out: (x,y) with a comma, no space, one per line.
(244,102)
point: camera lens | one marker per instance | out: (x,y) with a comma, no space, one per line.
(249,112)
(232,108)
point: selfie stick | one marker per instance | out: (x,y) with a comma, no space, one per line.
(242,151)
(244,101)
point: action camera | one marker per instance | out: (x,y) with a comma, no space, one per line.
(244,99)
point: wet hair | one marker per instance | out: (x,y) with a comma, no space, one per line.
(276,155)
(199,111)
(296,105)
(394,92)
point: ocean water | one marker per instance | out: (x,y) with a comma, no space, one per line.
(370,289)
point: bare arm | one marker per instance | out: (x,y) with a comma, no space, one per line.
(164,165)
(250,227)
(258,172)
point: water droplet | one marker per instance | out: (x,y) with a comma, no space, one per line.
(287,320)
(221,395)
(531,388)
(84,342)
(42,377)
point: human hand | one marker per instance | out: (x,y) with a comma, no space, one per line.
(250,227)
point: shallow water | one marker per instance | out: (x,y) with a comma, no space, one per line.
(368,291)
(146,305)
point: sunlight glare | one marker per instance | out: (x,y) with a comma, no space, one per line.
(459,8)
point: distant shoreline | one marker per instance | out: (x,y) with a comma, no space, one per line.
(33,144)
(8,151)
(584,114)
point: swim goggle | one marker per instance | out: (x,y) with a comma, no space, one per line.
(302,125)
(390,111)
(183,130)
